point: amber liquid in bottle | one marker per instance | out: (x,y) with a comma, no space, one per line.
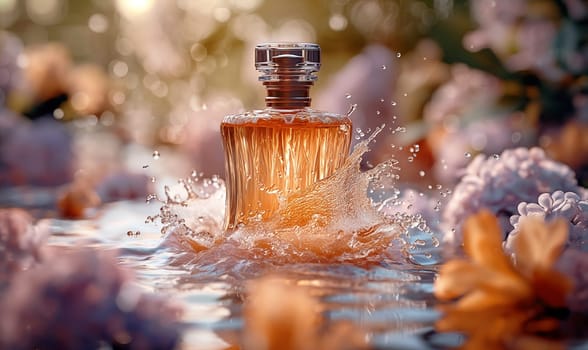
(273,153)
(269,159)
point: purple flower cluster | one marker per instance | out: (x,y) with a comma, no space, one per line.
(520,35)
(489,136)
(574,264)
(568,205)
(79,299)
(11,76)
(466,91)
(500,183)
(38,153)
(20,242)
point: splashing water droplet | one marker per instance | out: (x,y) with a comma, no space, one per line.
(352,109)
(156,155)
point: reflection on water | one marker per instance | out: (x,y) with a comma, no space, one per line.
(391,300)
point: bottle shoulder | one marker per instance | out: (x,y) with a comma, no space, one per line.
(289,115)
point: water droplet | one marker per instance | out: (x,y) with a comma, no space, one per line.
(382,100)
(468,155)
(420,242)
(343,128)
(398,54)
(58,113)
(352,109)
(129,233)
(421,173)
(496,156)
(410,159)
(156,155)
(384,67)
(393,103)
(378,113)
(405,94)
(153,179)
(348,96)
(145,166)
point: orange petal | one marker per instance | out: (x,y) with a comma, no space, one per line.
(456,278)
(483,242)
(552,287)
(539,244)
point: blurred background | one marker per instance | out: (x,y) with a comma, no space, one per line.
(101,98)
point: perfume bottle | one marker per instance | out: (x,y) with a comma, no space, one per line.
(273,153)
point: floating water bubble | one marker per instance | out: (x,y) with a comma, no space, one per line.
(58,113)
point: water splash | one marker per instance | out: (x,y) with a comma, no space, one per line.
(339,219)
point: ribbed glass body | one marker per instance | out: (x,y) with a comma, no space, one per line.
(270,154)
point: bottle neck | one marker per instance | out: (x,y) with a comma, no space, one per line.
(287,94)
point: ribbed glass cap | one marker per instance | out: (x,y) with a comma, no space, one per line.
(292,61)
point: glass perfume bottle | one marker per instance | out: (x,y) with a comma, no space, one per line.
(286,147)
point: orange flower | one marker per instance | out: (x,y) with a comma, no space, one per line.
(500,301)
(279,315)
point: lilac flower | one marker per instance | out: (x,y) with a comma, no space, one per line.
(466,92)
(38,153)
(519,34)
(568,205)
(489,136)
(20,242)
(10,74)
(78,299)
(577,9)
(500,184)
(574,263)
